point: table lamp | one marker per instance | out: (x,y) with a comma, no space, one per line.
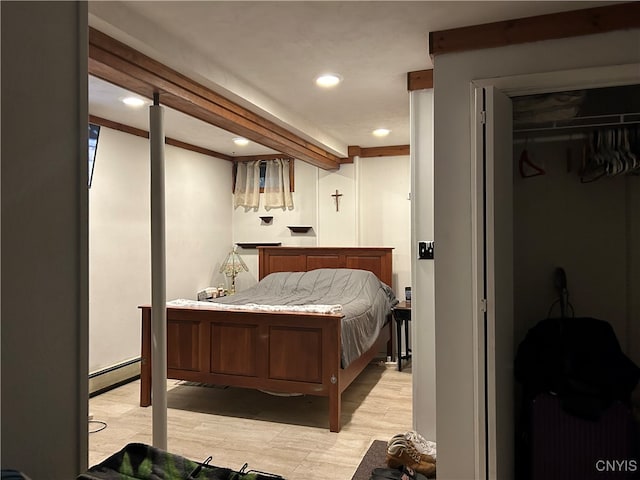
(232,266)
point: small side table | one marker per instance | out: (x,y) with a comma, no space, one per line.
(402,315)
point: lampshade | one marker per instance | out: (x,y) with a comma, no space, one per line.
(232,266)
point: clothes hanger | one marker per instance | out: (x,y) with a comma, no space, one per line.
(593,161)
(525,161)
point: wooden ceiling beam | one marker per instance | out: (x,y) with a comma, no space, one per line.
(121,65)
(368,152)
(257,158)
(420,80)
(532,29)
(139,132)
(388,151)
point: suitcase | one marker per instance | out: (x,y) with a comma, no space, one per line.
(566,447)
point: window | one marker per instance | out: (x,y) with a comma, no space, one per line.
(263,172)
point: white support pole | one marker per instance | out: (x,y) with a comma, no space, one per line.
(158,278)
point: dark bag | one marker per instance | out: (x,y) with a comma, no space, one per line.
(138,461)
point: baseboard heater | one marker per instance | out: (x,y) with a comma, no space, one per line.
(114,376)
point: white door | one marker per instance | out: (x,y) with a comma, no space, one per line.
(494,260)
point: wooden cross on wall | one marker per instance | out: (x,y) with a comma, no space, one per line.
(336,196)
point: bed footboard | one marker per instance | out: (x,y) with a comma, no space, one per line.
(284,352)
(281,352)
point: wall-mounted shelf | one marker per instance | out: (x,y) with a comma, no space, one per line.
(266,220)
(258,244)
(299,228)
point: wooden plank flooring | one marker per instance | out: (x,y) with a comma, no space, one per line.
(284,435)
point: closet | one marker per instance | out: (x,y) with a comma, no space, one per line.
(569,213)
(576,206)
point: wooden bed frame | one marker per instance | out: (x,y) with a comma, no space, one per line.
(280,352)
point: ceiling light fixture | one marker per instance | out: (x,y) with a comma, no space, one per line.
(133,101)
(381,132)
(328,80)
(241,141)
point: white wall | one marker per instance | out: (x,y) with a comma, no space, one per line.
(374,211)
(338,229)
(452,103)
(202,227)
(44,238)
(198,235)
(423,271)
(384,184)
(247,226)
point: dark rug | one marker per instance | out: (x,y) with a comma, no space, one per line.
(374,458)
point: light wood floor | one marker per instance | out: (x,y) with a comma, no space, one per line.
(284,435)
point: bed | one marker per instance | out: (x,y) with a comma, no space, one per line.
(278,351)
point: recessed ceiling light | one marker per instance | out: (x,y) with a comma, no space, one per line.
(328,80)
(133,101)
(240,141)
(381,132)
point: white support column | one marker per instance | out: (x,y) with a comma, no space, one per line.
(158,278)
(422,271)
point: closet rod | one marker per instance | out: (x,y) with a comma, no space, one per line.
(617,120)
(551,138)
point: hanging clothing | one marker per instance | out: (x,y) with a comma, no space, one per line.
(579,360)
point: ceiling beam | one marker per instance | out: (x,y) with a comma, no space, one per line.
(368,152)
(420,80)
(532,29)
(103,122)
(389,151)
(258,158)
(121,65)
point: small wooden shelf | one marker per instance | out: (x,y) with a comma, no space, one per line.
(299,228)
(258,244)
(266,220)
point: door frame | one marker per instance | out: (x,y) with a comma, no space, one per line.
(512,86)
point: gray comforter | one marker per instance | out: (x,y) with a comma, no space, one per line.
(365,301)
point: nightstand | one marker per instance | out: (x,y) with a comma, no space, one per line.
(402,316)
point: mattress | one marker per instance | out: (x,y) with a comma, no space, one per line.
(362,298)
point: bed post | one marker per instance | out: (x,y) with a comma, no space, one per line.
(333,371)
(335,406)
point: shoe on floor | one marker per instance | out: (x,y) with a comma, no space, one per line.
(424,446)
(402,438)
(401,452)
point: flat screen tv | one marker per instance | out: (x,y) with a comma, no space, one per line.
(94,132)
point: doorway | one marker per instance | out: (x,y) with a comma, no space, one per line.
(500,252)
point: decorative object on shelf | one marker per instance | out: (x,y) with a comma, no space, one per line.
(232,266)
(258,244)
(336,196)
(299,228)
(266,220)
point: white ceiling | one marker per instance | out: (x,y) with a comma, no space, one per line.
(265,56)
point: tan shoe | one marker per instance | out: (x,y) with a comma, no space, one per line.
(404,437)
(424,446)
(401,452)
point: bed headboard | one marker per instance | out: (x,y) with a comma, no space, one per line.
(302,259)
